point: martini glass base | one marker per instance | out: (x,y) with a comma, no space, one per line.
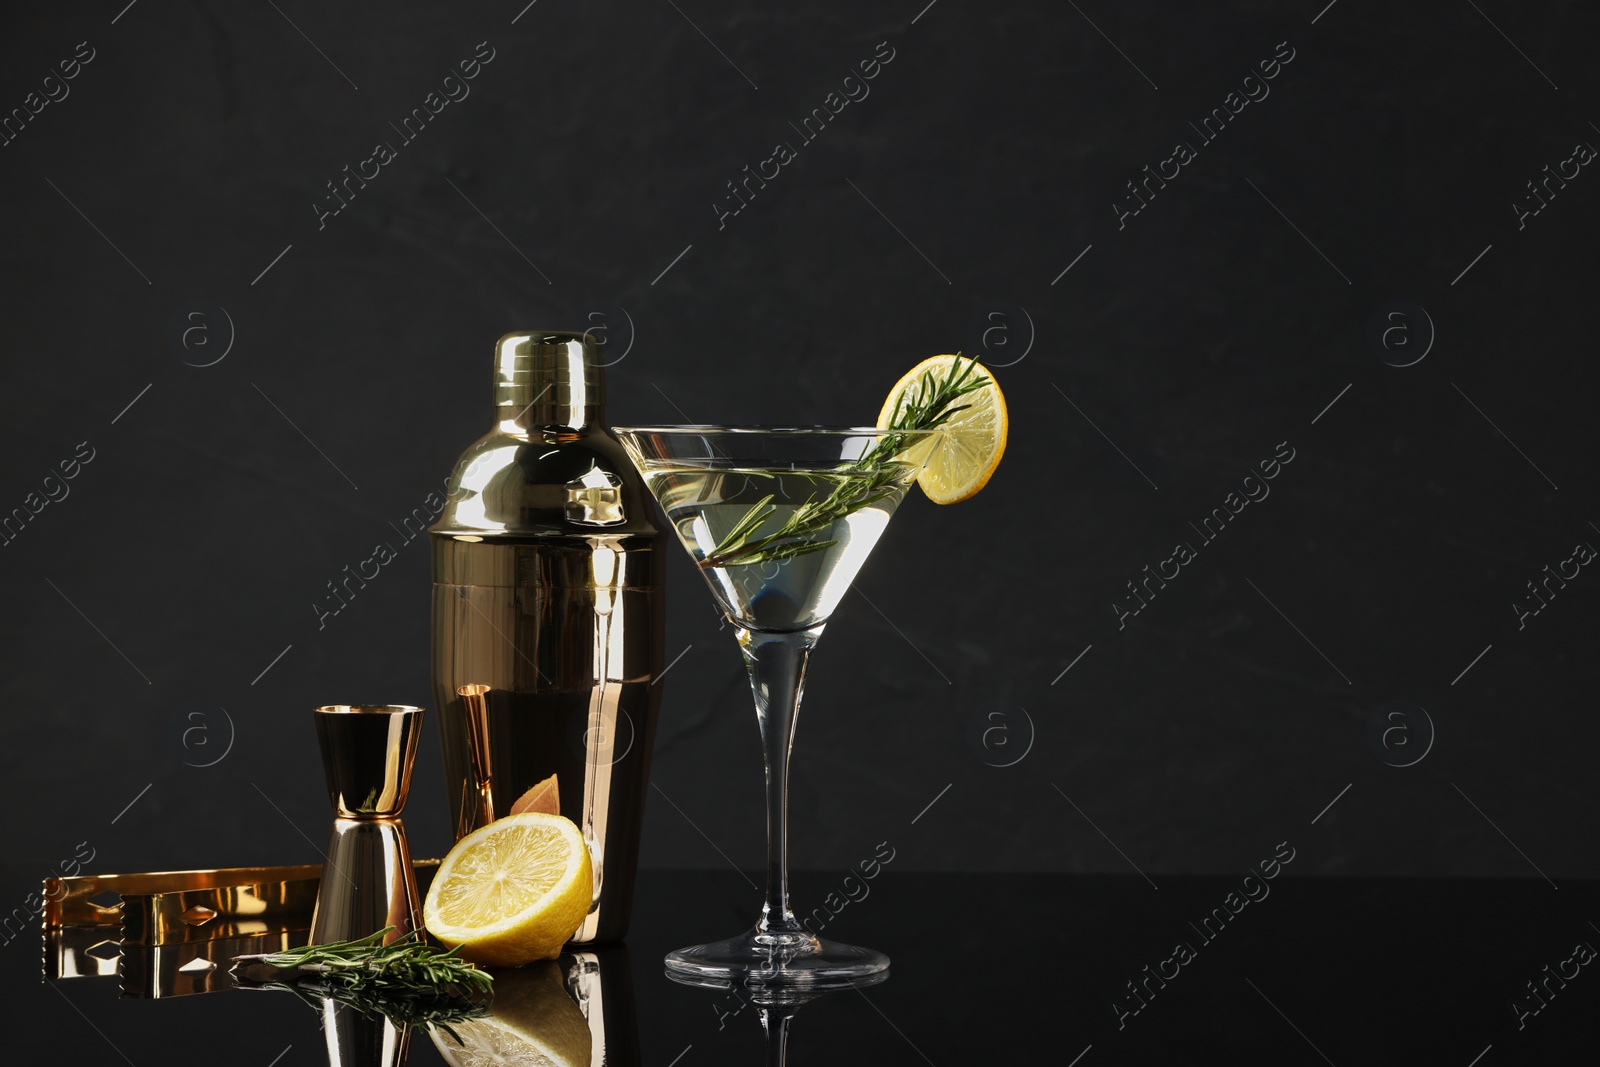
(797,961)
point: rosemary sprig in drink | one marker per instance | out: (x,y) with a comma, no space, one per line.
(867,480)
(407,980)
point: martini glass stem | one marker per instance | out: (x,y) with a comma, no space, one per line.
(775,1023)
(777,666)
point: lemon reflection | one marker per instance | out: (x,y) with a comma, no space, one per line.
(532,1022)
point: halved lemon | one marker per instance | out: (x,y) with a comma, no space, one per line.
(513,891)
(962,459)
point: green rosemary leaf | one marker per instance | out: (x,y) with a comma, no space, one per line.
(406,980)
(777,553)
(800,548)
(752,519)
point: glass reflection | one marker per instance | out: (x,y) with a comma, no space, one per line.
(775,1006)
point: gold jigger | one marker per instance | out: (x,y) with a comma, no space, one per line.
(368,883)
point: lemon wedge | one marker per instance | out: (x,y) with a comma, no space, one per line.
(962,459)
(513,891)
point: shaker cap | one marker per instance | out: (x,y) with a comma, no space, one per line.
(546,377)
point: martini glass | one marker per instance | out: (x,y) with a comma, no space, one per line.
(778,520)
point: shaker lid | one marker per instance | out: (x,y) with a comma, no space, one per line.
(547,376)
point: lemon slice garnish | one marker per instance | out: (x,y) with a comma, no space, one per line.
(964,457)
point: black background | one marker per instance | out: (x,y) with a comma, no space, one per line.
(1219,322)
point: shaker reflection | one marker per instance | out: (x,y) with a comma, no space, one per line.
(577,1011)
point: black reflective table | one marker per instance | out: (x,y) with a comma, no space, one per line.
(1064,969)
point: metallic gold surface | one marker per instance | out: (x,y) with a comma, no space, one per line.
(595,499)
(214,929)
(477,786)
(600,982)
(547,614)
(367,754)
(151,906)
(69,901)
(157,972)
(216,912)
(547,378)
(368,884)
(271,907)
(81,952)
(357,1040)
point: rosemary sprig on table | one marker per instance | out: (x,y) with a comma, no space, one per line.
(407,980)
(866,480)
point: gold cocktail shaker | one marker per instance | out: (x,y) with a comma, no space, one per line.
(547,615)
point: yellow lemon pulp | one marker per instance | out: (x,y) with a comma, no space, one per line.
(962,459)
(513,891)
